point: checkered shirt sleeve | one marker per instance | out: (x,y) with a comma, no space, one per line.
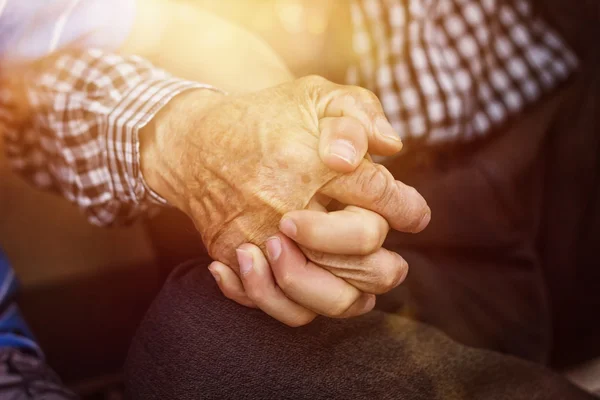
(454,70)
(79,135)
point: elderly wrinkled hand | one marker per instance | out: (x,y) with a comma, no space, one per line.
(237,164)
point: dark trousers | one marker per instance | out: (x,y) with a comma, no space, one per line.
(195,344)
(515,223)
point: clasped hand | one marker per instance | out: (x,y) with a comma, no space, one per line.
(257,173)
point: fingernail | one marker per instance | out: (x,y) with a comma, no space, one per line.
(214,273)
(274,248)
(245,260)
(385,129)
(288,227)
(343,149)
(424,222)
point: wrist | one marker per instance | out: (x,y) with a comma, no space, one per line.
(161,140)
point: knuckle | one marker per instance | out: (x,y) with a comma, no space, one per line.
(404,204)
(367,95)
(370,104)
(286,281)
(384,228)
(385,191)
(388,282)
(229,295)
(313,80)
(371,182)
(237,296)
(254,293)
(370,239)
(346,99)
(391,276)
(340,306)
(346,124)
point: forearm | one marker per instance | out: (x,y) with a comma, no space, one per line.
(195,44)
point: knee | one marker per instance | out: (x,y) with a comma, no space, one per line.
(191,340)
(174,334)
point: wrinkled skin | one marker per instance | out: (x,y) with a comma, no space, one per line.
(254,157)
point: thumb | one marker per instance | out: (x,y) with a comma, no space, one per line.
(343,143)
(335,100)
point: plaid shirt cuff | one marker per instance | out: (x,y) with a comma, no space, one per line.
(77,132)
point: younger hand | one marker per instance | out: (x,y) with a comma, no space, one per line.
(294,290)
